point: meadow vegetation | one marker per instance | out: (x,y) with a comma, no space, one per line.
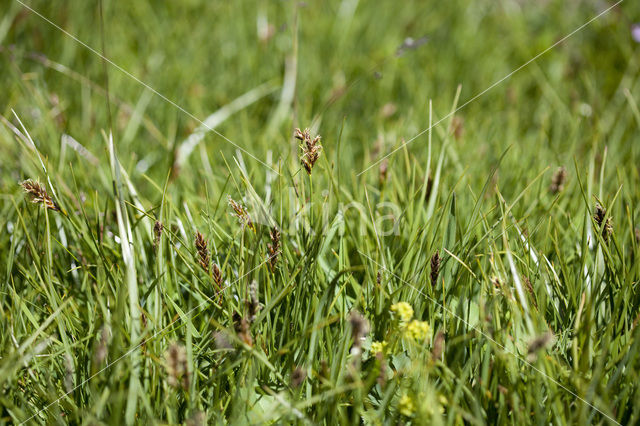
(283,212)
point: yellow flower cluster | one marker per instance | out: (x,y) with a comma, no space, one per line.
(378,347)
(406,407)
(404,311)
(419,330)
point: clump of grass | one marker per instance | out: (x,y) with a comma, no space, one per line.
(39,194)
(310,147)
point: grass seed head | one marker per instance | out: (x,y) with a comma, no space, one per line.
(39,194)
(158,227)
(599,215)
(176,366)
(274,248)
(241,213)
(310,148)
(558,180)
(435,268)
(203,252)
(241,326)
(359,329)
(297,377)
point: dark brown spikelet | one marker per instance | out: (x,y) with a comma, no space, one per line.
(637,235)
(558,180)
(297,377)
(241,213)
(435,268)
(241,326)
(253,305)
(310,148)
(176,366)
(217,276)
(274,248)
(203,252)
(39,195)
(599,215)
(158,227)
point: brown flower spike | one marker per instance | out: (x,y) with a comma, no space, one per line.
(311,149)
(203,252)
(241,213)
(274,248)
(599,216)
(176,366)
(39,194)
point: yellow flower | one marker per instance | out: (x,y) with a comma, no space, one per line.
(378,347)
(406,407)
(419,330)
(404,311)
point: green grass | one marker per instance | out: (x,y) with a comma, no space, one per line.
(532,314)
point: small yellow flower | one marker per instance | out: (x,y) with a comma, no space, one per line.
(406,407)
(378,347)
(404,311)
(418,330)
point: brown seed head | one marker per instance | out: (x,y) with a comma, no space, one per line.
(599,215)
(310,148)
(297,377)
(435,268)
(176,366)
(203,252)
(274,248)
(157,232)
(241,326)
(438,346)
(217,276)
(558,180)
(39,194)
(359,328)
(241,213)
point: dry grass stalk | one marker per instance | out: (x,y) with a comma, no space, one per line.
(311,149)
(39,194)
